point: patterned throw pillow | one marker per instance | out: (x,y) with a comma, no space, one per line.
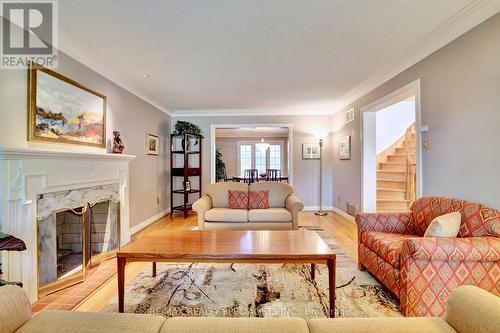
(237,200)
(258,199)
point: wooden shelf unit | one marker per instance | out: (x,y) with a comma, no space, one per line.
(185,172)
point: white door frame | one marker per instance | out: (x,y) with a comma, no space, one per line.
(213,127)
(368,145)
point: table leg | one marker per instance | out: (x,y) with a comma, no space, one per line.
(313,271)
(154,269)
(331,284)
(121,262)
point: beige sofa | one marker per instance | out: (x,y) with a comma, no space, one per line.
(283,212)
(469,310)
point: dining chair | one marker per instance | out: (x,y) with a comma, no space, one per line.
(273,175)
(251,176)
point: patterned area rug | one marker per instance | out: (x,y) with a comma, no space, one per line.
(252,290)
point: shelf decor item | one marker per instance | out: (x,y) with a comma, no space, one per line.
(64,111)
(152,144)
(117,143)
(185,170)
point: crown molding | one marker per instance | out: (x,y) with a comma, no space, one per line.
(465,20)
(294,111)
(77,51)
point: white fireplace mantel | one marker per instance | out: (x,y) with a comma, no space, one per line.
(30,153)
(28,172)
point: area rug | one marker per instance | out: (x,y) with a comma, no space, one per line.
(252,290)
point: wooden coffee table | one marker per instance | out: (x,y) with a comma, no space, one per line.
(233,246)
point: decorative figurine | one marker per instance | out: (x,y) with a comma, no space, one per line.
(117,143)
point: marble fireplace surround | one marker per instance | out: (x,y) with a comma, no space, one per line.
(50,204)
(29,173)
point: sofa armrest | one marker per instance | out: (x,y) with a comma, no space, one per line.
(15,308)
(461,249)
(472,309)
(448,263)
(394,223)
(294,206)
(201,206)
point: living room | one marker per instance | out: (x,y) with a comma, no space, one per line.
(238,166)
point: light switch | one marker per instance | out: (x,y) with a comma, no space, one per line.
(426,144)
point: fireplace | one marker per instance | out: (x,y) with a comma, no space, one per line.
(39,184)
(75,230)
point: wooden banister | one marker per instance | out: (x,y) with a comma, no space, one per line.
(411,163)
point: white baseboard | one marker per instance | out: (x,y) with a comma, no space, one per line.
(145,223)
(344,214)
(315,208)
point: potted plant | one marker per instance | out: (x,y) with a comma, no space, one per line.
(185,127)
(220,167)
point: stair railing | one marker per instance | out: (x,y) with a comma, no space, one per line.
(411,164)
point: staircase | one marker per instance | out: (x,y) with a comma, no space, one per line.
(396,174)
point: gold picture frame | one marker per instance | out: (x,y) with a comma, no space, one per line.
(62,122)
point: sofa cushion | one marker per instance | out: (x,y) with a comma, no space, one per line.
(226,215)
(278,192)
(69,321)
(477,220)
(258,200)
(15,308)
(269,215)
(446,225)
(229,325)
(237,200)
(385,245)
(382,325)
(218,192)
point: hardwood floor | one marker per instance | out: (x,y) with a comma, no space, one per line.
(343,231)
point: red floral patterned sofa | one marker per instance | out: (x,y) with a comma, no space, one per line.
(422,272)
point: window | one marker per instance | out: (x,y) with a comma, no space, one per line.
(251,156)
(260,160)
(245,158)
(275,157)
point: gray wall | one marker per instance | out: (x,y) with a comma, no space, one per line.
(460,101)
(126,113)
(305,172)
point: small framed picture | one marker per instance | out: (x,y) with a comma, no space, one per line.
(187,186)
(310,151)
(152,144)
(345,147)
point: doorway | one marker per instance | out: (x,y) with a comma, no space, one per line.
(237,148)
(391,157)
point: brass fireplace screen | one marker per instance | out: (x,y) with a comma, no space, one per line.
(71,241)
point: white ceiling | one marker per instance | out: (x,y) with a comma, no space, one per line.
(280,56)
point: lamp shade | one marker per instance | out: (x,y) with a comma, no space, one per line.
(320,135)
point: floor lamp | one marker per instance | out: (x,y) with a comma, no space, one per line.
(321,137)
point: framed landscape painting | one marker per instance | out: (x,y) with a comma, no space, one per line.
(64,111)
